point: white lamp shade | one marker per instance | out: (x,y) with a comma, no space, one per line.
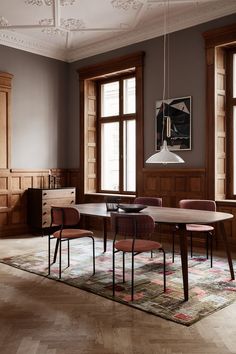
(164,156)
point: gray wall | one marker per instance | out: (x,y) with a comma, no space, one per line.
(39,108)
(187,78)
(45,118)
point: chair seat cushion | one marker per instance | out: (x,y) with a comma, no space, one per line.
(199,228)
(72,233)
(139,245)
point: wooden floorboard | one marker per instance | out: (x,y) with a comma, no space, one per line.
(41,316)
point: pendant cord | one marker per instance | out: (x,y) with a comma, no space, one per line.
(164,73)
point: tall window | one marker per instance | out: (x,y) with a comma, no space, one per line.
(231,119)
(111,127)
(117,135)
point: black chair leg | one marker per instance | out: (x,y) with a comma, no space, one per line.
(55,251)
(60,259)
(132,278)
(93,256)
(211,246)
(49,251)
(113,273)
(123,267)
(173,247)
(191,244)
(207,245)
(68,252)
(164,268)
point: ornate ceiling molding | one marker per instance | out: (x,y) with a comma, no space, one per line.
(49,2)
(153,30)
(39,2)
(67,2)
(71,24)
(3,22)
(54,32)
(28,44)
(46,22)
(68,28)
(126,4)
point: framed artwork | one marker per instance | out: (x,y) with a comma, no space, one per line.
(173,123)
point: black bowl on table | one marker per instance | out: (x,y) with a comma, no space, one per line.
(132,208)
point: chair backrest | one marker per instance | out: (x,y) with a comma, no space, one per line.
(132,225)
(198,204)
(64,216)
(150,201)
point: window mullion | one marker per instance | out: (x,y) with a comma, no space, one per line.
(121,186)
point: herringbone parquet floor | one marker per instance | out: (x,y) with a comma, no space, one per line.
(41,316)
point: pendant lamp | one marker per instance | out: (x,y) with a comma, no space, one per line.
(164,156)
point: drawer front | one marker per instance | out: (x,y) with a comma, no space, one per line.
(47,203)
(46,220)
(58,193)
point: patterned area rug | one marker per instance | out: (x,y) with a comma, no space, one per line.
(209,289)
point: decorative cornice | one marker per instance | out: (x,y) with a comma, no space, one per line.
(67,2)
(48,2)
(39,2)
(23,42)
(153,30)
(124,38)
(72,24)
(126,4)
(3,22)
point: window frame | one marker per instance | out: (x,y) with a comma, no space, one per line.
(120,118)
(230,103)
(220,37)
(129,63)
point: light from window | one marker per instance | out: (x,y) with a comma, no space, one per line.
(110,99)
(129,96)
(234,75)
(234,140)
(110,156)
(129,159)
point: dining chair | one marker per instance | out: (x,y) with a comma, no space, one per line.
(66,220)
(150,201)
(134,232)
(194,229)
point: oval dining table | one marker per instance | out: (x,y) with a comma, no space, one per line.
(176,216)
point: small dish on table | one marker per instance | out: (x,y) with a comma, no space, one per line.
(132,208)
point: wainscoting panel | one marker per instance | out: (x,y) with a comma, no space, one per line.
(13,195)
(170,184)
(173,185)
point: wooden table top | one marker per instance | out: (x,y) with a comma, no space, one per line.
(162,214)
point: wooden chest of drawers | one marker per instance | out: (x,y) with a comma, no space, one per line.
(41,200)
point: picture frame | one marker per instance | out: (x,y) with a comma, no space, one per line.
(179,111)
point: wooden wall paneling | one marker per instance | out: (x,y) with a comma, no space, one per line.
(13,195)
(5,120)
(90,136)
(220,131)
(173,185)
(230,226)
(215,40)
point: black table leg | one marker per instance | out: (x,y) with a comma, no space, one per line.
(224,238)
(184,257)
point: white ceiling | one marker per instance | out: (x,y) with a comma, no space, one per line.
(74,29)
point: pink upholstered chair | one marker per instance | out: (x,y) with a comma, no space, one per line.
(150,201)
(193,229)
(66,219)
(134,232)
